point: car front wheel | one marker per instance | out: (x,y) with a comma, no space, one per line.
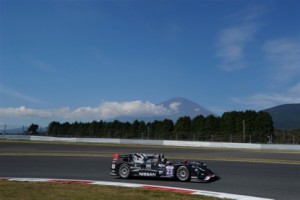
(183,174)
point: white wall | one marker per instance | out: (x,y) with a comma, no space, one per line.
(155,142)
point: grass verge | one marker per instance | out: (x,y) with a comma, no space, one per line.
(11,190)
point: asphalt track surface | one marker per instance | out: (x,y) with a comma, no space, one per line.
(269,174)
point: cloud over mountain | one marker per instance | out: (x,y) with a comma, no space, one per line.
(108,110)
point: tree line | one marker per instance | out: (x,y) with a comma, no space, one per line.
(243,126)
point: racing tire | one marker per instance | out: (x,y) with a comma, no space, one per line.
(124,171)
(183,174)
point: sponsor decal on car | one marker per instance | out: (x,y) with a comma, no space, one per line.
(147,174)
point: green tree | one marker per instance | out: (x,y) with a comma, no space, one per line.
(264,130)
(198,127)
(250,123)
(33,129)
(161,129)
(53,128)
(227,123)
(167,128)
(212,125)
(183,127)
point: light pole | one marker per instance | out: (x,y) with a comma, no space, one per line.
(244,130)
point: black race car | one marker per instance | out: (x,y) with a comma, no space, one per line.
(156,165)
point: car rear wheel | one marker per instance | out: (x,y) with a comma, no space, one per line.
(124,171)
(183,174)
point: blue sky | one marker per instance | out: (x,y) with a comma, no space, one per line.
(75,60)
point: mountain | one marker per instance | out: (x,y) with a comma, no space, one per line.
(285,116)
(174,108)
(20,131)
(184,107)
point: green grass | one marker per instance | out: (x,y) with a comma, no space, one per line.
(11,190)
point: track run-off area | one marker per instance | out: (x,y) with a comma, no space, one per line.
(268,174)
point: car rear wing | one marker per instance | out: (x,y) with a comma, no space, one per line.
(117,156)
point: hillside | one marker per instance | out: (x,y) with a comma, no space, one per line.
(178,106)
(185,107)
(285,116)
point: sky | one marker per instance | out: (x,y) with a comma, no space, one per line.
(84,60)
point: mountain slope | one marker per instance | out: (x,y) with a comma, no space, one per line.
(175,107)
(184,107)
(285,116)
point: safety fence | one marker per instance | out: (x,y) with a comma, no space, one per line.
(177,143)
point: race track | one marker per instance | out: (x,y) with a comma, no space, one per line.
(256,173)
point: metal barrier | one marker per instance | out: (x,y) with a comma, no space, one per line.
(177,143)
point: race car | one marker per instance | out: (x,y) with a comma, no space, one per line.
(156,165)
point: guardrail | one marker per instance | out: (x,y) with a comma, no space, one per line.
(177,143)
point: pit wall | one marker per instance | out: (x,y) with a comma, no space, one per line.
(176,143)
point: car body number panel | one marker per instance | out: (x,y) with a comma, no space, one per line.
(169,170)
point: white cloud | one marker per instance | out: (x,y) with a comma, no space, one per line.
(115,109)
(42,65)
(19,95)
(106,110)
(284,56)
(267,100)
(174,106)
(232,41)
(232,44)
(36,63)
(295,89)
(23,111)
